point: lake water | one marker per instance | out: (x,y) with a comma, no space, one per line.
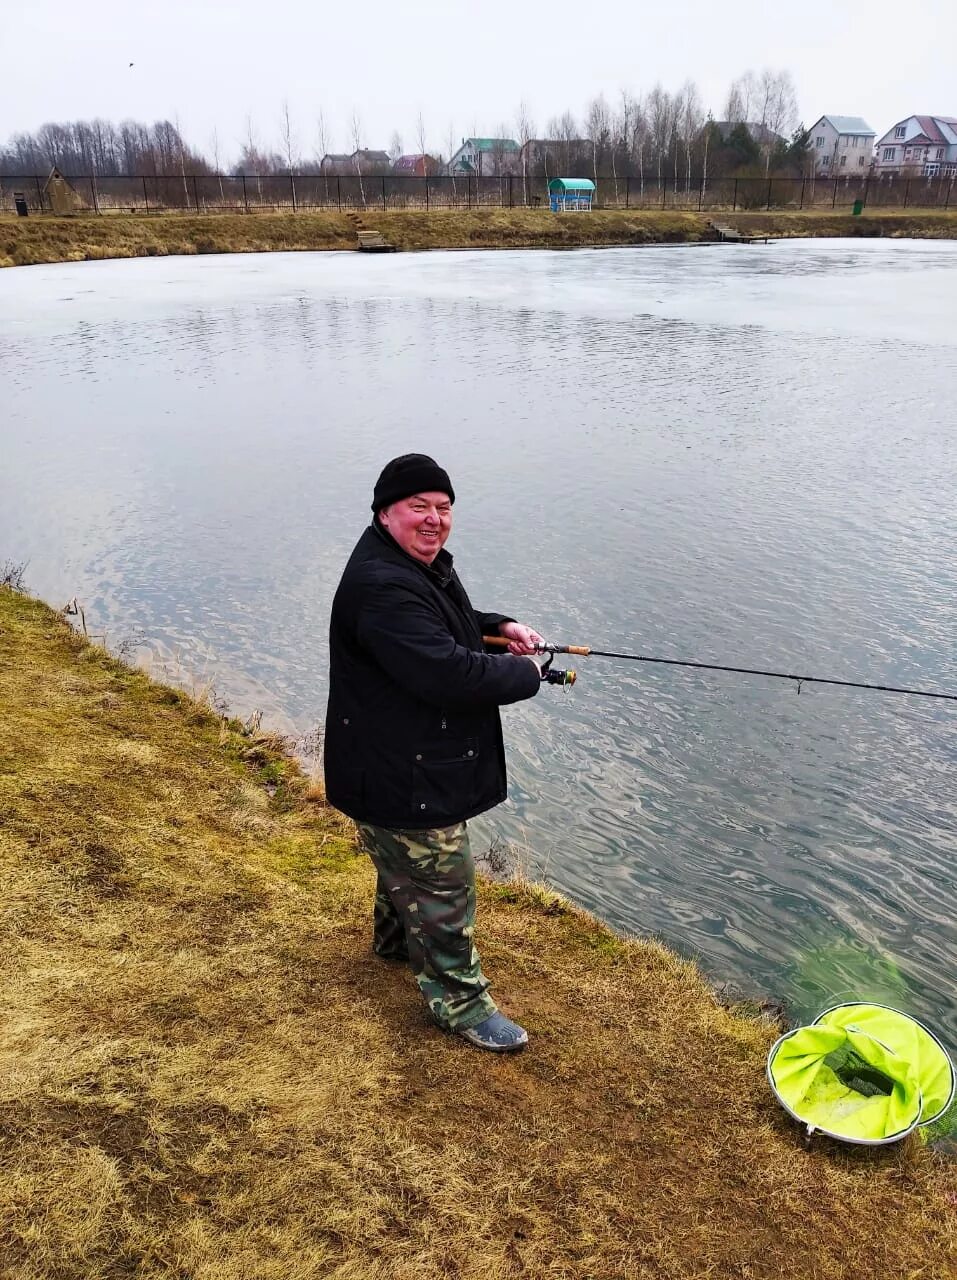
(743,455)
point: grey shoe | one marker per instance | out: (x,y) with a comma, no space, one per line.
(497,1034)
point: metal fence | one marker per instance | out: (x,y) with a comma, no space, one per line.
(248,193)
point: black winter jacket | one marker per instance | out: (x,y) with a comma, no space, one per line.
(413,736)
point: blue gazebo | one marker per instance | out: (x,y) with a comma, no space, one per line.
(568,194)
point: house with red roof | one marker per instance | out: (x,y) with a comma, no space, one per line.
(416,166)
(924,146)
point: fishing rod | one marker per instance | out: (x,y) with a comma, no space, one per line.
(568,678)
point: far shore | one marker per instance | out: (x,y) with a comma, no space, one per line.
(44,239)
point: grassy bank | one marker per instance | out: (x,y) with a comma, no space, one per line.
(24,241)
(204,1073)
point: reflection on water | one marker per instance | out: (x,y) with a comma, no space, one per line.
(740,455)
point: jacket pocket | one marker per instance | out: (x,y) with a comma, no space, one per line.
(445,784)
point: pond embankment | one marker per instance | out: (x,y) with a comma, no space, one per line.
(26,241)
(205,1072)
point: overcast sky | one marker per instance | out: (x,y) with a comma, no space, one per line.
(210,65)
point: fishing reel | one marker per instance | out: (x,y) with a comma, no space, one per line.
(550,676)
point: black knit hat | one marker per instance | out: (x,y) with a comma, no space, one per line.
(412,473)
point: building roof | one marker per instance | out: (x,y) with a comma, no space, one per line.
(377,157)
(411,162)
(492,144)
(930,127)
(848,124)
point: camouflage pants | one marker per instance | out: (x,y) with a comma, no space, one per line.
(425,913)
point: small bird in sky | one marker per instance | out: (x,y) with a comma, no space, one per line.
(130,66)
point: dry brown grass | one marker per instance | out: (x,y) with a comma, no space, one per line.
(25,241)
(205,1074)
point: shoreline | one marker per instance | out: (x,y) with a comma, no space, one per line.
(202,1043)
(47,239)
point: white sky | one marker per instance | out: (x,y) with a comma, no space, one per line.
(210,65)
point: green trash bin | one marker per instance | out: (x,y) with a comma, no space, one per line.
(858,208)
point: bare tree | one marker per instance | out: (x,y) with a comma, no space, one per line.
(741,98)
(420,137)
(674,122)
(502,160)
(322,148)
(452,149)
(779,102)
(660,112)
(704,152)
(525,129)
(179,150)
(289,144)
(289,147)
(597,131)
(214,146)
(357,147)
(570,133)
(252,153)
(395,146)
(639,140)
(690,124)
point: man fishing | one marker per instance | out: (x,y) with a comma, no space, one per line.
(413,742)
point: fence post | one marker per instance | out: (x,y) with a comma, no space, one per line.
(146,198)
(627,193)
(195,194)
(245,196)
(950,187)
(292,188)
(468,191)
(427,191)
(383,191)
(36,179)
(833,192)
(768,205)
(867,182)
(734,202)
(96,203)
(700,192)
(906,191)
(803,182)
(339,191)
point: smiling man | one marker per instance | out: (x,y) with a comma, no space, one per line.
(413,743)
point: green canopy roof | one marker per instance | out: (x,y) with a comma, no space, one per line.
(571,184)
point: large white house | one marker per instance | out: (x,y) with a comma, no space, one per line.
(924,145)
(490,157)
(841,146)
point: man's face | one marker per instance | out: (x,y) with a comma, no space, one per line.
(420,524)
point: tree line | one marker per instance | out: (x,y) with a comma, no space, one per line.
(659,136)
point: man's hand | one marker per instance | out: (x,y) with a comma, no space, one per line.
(522,639)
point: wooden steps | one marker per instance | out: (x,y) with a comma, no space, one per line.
(373,242)
(733,236)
